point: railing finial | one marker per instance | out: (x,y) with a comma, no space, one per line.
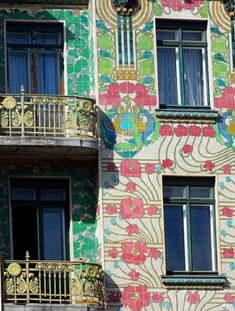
(27,255)
(22,89)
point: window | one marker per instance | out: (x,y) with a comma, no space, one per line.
(189,220)
(182,63)
(233,40)
(34,57)
(40,218)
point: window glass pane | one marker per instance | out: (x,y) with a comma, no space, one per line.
(23,194)
(174,237)
(193,77)
(200,192)
(167,77)
(18,38)
(166,35)
(47,38)
(52,195)
(48,73)
(53,233)
(18,68)
(192,35)
(201,238)
(175,192)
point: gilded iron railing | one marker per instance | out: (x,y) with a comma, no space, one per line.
(28,281)
(45,115)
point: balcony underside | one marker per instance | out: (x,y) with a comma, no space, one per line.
(48,2)
(47,148)
(51,307)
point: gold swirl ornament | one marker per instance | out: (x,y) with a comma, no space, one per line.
(14,269)
(86,105)
(9,102)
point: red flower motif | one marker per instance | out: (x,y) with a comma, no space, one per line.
(227,100)
(166,130)
(131,186)
(152,210)
(142,97)
(130,168)
(229,298)
(187,149)
(158,298)
(111,167)
(228,212)
(134,275)
(154,252)
(149,168)
(209,165)
(126,87)
(228,253)
(112,96)
(131,229)
(135,297)
(193,298)
(181,130)
(227,169)
(195,130)
(132,208)
(111,209)
(113,252)
(134,253)
(208,131)
(167,163)
(114,297)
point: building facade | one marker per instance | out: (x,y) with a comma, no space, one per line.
(117,154)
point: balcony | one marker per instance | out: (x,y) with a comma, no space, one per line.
(52,282)
(61,125)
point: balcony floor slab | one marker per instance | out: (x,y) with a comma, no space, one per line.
(51,307)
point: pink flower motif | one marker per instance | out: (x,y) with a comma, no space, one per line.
(166,130)
(208,131)
(227,100)
(187,149)
(152,210)
(227,169)
(209,165)
(134,275)
(131,186)
(126,87)
(181,130)
(113,252)
(131,229)
(130,168)
(228,253)
(179,5)
(134,253)
(193,298)
(228,212)
(111,209)
(229,298)
(142,97)
(149,168)
(154,252)
(195,130)
(132,208)
(167,163)
(112,96)
(135,297)
(158,298)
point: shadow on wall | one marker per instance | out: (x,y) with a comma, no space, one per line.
(112,294)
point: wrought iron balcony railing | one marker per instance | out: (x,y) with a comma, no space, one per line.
(26,281)
(47,116)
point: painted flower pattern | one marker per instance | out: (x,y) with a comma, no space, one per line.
(193,297)
(134,275)
(167,163)
(227,212)
(166,130)
(132,208)
(135,297)
(209,165)
(132,229)
(179,5)
(134,253)
(130,168)
(187,149)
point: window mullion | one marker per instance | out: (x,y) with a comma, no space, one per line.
(181,75)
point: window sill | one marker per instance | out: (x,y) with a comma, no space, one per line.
(187,115)
(194,281)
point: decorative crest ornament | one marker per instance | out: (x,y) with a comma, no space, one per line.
(126,7)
